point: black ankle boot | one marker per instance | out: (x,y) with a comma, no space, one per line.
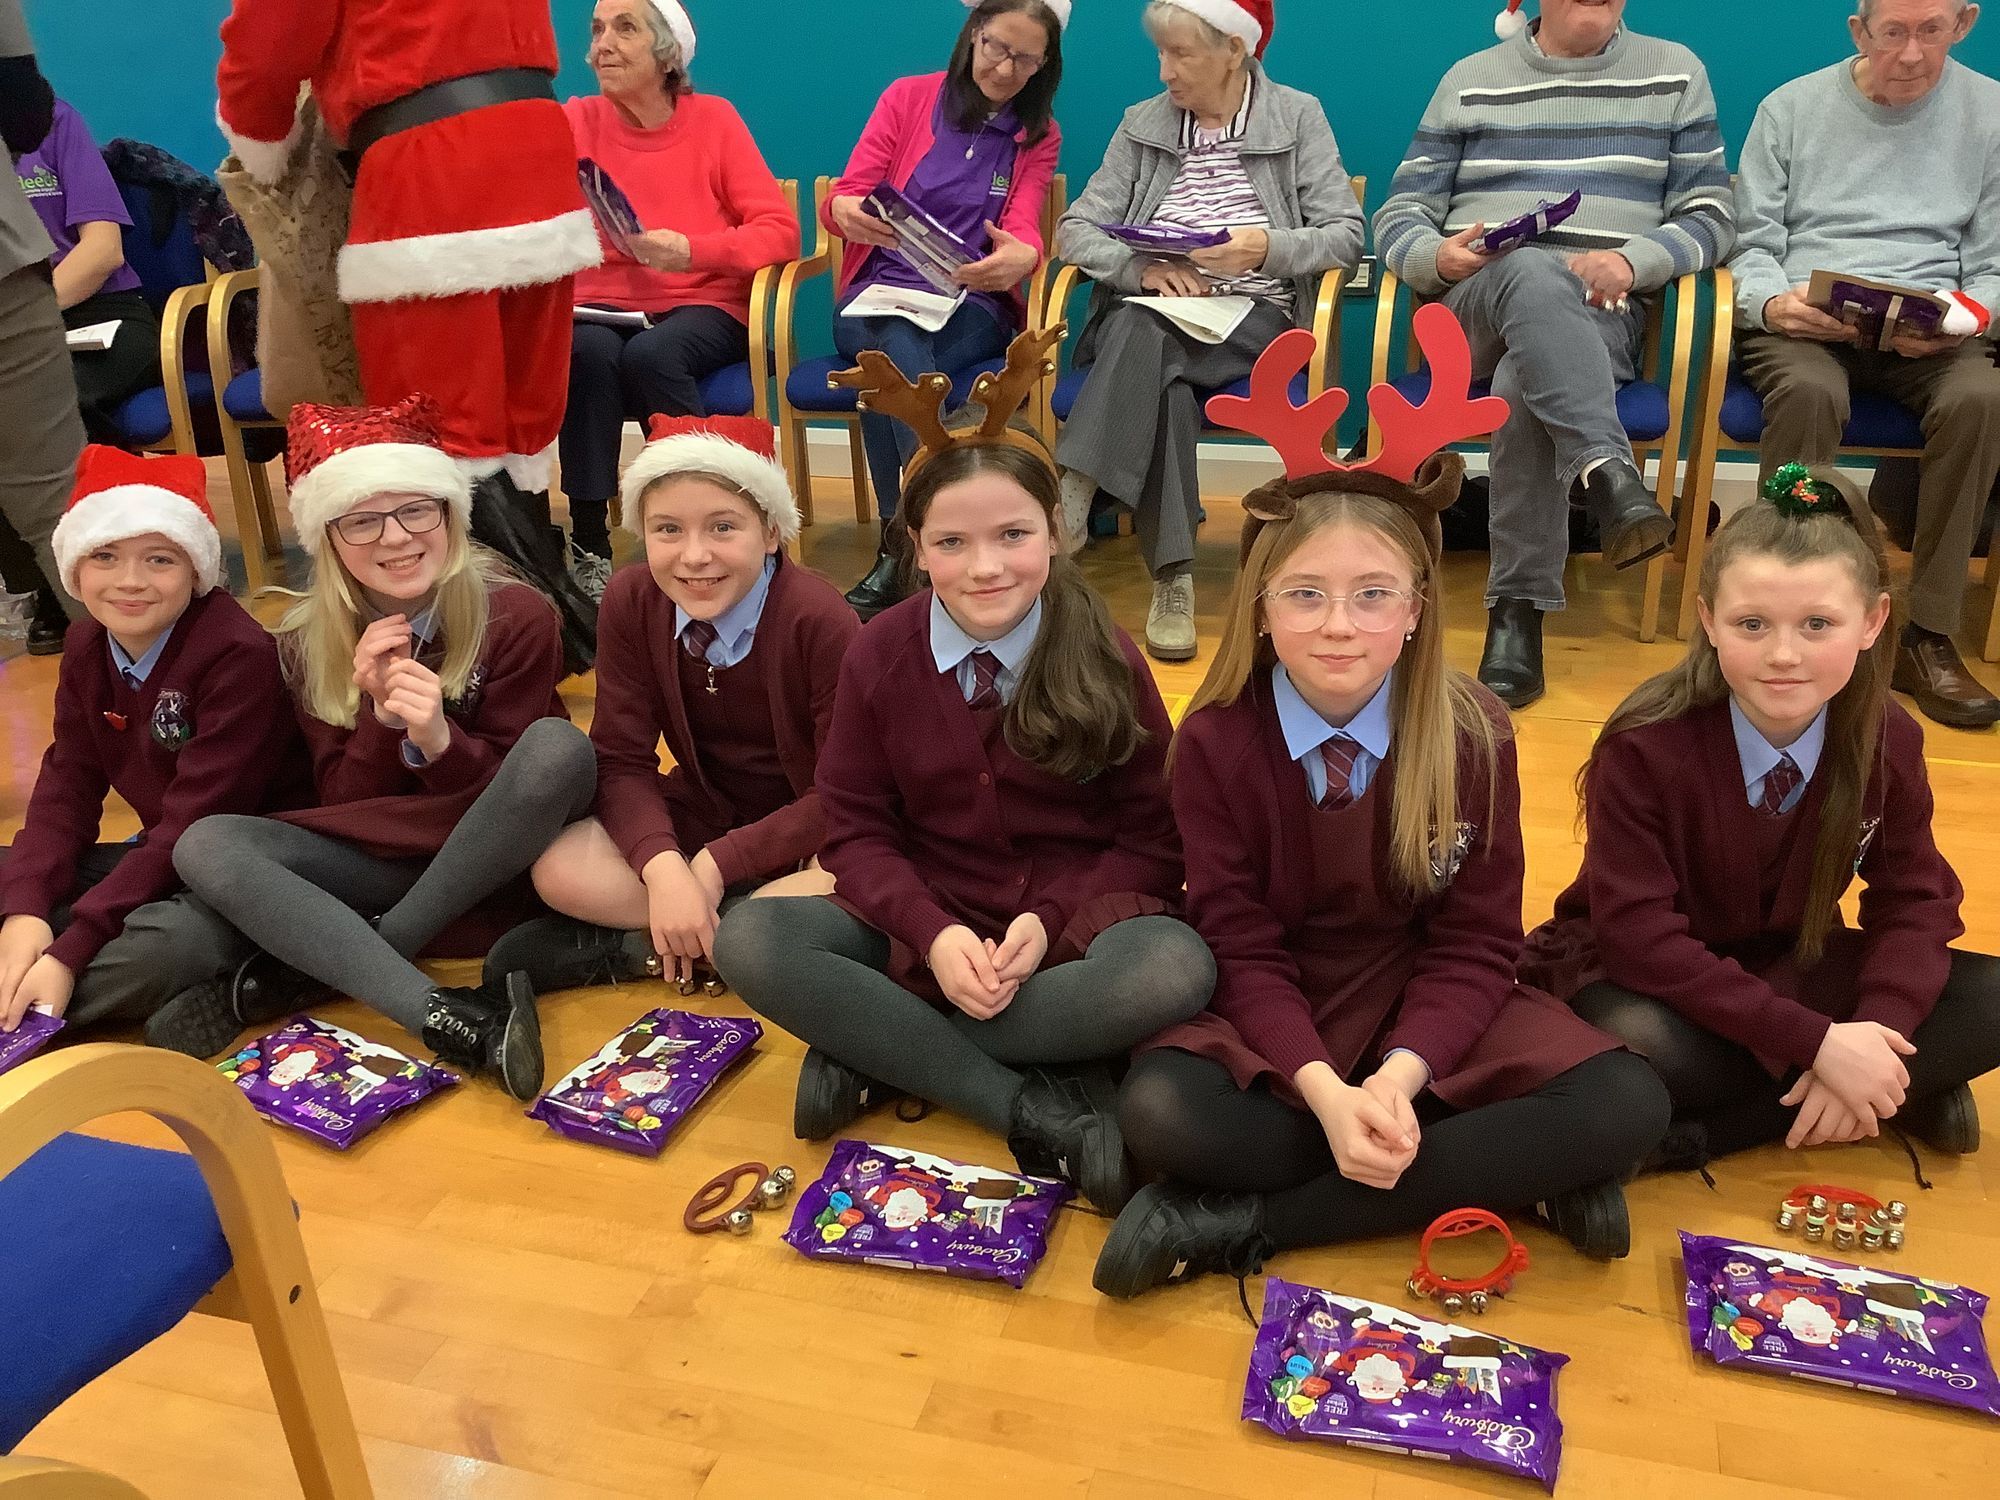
(493,1030)
(1629,518)
(1946,1122)
(515,523)
(1060,1131)
(1593,1219)
(882,587)
(1684,1148)
(561,953)
(1170,1234)
(48,627)
(832,1096)
(1511,664)
(205,1020)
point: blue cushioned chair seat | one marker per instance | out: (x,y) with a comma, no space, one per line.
(1872,421)
(1642,405)
(808,391)
(104,1248)
(727,392)
(243,397)
(1071,386)
(144,420)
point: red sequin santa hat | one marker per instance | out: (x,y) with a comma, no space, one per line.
(336,456)
(739,451)
(1510,23)
(1253,20)
(120,495)
(1060,7)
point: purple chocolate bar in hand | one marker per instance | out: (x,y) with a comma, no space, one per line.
(1828,1320)
(1334,1369)
(1531,226)
(639,1086)
(1167,239)
(25,1040)
(893,1207)
(328,1082)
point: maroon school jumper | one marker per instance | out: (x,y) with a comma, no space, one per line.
(206,732)
(755,811)
(1693,897)
(932,822)
(1321,958)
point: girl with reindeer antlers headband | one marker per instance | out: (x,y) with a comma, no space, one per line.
(996,820)
(1351,811)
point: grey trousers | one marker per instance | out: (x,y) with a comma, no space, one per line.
(1806,387)
(1137,420)
(41,430)
(1558,362)
(165,947)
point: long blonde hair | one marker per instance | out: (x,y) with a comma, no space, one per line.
(1433,709)
(317,636)
(1854,717)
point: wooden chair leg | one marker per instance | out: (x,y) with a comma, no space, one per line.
(798,449)
(857,462)
(1701,488)
(267,512)
(1656,570)
(1989,649)
(243,500)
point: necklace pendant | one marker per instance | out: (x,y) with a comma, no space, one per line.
(711,680)
(969,150)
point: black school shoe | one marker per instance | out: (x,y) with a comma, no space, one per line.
(48,626)
(1593,1219)
(1060,1131)
(561,953)
(832,1096)
(1169,1234)
(205,1020)
(494,1030)
(1948,1122)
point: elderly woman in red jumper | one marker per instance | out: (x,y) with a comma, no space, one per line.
(729,651)
(715,216)
(1351,808)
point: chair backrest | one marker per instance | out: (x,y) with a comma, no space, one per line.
(160,246)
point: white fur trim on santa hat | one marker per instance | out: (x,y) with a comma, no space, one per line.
(706,453)
(1227,17)
(1510,23)
(1965,318)
(265,161)
(1060,7)
(336,485)
(128,510)
(469,260)
(679,25)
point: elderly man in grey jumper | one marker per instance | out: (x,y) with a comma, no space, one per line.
(1885,165)
(1223,149)
(1574,103)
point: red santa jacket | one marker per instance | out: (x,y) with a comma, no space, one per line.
(475,203)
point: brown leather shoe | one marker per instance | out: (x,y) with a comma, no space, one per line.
(1929,669)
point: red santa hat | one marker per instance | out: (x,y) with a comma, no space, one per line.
(1253,20)
(1060,7)
(1510,23)
(338,455)
(739,451)
(680,26)
(120,495)
(1965,318)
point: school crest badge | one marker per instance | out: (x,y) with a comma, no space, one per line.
(1869,828)
(173,724)
(466,704)
(1445,870)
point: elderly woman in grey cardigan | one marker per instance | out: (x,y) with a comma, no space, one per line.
(1223,149)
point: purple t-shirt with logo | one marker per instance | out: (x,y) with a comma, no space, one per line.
(962,182)
(66,180)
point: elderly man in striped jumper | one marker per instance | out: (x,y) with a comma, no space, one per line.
(1574,102)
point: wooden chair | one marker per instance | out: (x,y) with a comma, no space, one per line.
(1730,419)
(172,1234)
(240,410)
(804,397)
(1652,409)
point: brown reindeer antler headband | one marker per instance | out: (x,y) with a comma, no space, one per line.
(1411,470)
(920,403)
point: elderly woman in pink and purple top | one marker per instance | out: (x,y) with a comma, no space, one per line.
(975,147)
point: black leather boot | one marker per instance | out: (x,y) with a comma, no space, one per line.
(1629,518)
(515,523)
(492,1030)
(886,583)
(1511,664)
(48,626)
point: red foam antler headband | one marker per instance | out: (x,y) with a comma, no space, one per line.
(1410,434)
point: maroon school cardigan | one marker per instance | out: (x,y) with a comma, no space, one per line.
(801,637)
(1669,903)
(218,684)
(371,798)
(917,836)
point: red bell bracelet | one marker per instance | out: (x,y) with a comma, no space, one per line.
(1469,1293)
(1857,1219)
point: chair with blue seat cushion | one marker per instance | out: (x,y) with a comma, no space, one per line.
(250,436)
(159,245)
(1652,409)
(108,1246)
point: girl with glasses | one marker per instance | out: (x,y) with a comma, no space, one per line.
(975,148)
(424,677)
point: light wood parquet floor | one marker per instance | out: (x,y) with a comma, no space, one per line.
(518,1316)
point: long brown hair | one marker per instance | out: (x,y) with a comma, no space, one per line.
(1074,712)
(1433,710)
(1854,718)
(1035,105)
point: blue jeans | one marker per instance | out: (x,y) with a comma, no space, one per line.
(972,335)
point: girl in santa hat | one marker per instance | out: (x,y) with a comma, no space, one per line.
(424,677)
(170,695)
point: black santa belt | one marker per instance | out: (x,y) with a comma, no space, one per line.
(444,101)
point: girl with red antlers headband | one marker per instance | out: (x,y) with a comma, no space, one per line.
(1350,808)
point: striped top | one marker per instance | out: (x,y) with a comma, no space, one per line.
(1213,191)
(1633,128)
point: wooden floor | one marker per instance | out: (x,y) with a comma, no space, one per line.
(519,1316)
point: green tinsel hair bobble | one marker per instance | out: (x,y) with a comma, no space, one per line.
(1795,493)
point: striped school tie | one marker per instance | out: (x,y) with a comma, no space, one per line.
(1779,783)
(985,681)
(697,638)
(1337,757)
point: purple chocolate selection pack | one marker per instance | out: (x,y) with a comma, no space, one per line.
(1827,1320)
(1335,1369)
(890,1206)
(328,1082)
(637,1088)
(25,1040)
